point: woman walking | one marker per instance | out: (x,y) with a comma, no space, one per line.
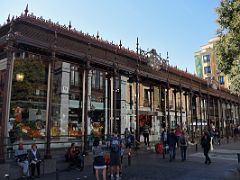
(99,162)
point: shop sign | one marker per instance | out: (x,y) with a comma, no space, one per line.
(65,89)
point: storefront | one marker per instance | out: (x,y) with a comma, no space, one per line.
(59,86)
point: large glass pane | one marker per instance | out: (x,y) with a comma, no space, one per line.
(97,111)
(29,97)
(67,100)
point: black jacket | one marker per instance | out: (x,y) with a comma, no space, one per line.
(32,157)
(205,142)
(171,139)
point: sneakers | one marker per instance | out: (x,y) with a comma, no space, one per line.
(117,177)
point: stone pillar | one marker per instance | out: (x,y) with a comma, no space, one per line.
(64,98)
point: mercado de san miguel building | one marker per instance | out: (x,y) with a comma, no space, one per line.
(58,84)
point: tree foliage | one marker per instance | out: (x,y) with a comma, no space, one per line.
(228,46)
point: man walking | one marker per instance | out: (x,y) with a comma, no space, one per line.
(146,131)
(183,142)
(115,155)
(172,141)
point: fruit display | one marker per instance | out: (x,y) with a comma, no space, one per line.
(27,129)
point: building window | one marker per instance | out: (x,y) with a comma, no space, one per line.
(74,76)
(146,97)
(206,58)
(207,69)
(97,80)
(221,79)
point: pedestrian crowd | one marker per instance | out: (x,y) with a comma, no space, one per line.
(108,155)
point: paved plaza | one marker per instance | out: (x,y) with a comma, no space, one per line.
(148,165)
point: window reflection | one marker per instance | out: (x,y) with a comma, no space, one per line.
(28,98)
(67,100)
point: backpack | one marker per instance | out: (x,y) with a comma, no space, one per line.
(115,145)
(183,140)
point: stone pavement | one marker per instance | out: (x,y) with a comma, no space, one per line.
(147,165)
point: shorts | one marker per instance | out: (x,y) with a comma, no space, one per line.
(100,167)
(115,159)
(99,161)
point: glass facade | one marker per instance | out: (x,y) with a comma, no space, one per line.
(28,106)
(27,119)
(67,100)
(97,103)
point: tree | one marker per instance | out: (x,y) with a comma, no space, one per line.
(228,46)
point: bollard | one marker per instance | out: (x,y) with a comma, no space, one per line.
(238,154)
(196,147)
(7,176)
(57,174)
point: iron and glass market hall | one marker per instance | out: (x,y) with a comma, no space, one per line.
(59,85)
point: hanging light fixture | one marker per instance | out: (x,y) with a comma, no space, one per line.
(19,77)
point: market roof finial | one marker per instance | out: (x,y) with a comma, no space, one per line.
(26,10)
(98,35)
(8,19)
(120,44)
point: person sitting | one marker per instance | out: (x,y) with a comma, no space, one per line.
(22,159)
(35,160)
(74,156)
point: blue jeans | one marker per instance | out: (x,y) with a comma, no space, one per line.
(183,152)
(172,152)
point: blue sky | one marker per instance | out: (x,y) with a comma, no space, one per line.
(177,26)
